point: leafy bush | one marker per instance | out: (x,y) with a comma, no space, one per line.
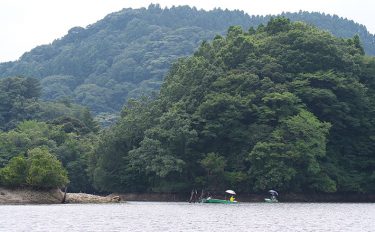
(44,170)
(15,173)
(39,170)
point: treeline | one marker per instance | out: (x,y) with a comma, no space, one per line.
(43,144)
(283,106)
(128,53)
(338,26)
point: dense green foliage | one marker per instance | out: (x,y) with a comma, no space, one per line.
(39,170)
(32,154)
(128,53)
(15,173)
(338,26)
(66,135)
(283,106)
(19,101)
(45,170)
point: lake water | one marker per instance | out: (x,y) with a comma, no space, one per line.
(157,216)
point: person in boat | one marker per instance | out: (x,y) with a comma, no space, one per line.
(231,199)
(273,195)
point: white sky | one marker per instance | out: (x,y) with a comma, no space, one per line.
(25,24)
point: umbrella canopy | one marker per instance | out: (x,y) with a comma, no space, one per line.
(230,192)
(273,192)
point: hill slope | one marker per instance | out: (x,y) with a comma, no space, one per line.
(285,106)
(127,53)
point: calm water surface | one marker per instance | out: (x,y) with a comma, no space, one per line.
(156,216)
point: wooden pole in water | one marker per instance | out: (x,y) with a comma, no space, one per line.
(65,190)
(202,193)
(191,196)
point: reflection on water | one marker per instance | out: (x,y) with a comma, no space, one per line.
(156,216)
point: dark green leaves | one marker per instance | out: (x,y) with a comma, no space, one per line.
(39,169)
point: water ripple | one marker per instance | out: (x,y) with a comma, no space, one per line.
(157,216)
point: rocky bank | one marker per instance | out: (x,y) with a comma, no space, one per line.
(54,196)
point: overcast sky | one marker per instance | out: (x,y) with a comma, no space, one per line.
(24,24)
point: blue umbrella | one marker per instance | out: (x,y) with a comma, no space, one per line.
(273,192)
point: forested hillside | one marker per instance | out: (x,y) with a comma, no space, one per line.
(339,27)
(127,53)
(283,106)
(43,144)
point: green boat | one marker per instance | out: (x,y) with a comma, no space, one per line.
(217,201)
(268,200)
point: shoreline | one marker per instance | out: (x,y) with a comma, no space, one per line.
(256,198)
(18,196)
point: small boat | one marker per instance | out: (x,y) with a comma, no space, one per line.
(221,201)
(273,198)
(217,201)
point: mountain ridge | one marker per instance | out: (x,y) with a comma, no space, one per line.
(127,53)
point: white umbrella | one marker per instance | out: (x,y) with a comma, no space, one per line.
(273,192)
(231,192)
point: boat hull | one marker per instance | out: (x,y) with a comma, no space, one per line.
(217,201)
(268,200)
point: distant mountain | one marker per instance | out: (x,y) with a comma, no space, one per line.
(340,27)
(127,53)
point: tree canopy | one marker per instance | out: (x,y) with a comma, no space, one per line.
(56,132)
(284,106)
(127,54)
